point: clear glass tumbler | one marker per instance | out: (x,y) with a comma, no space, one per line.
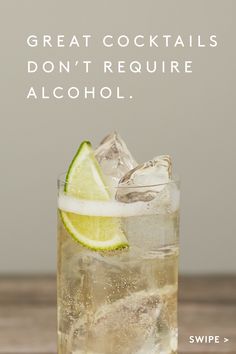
(122,301)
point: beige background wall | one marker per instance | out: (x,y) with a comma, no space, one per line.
(190,117)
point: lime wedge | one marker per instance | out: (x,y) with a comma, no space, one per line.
(84,180)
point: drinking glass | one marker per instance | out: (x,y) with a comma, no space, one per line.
(120,301)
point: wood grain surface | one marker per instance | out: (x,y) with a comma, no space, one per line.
(207,306)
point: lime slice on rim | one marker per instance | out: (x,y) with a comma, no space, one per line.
(84,180)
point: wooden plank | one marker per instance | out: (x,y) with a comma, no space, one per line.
(42,289)
(212,289)
(28,290)
(32,328)
(207,319)
(27,329)
(28,314)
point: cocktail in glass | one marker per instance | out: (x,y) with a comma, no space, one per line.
(121,301)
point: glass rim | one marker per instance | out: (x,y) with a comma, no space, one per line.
(61,180)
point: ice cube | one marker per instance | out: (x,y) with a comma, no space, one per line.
(114,158)
(149,346)
(132,324)
(146,181)
(128,322)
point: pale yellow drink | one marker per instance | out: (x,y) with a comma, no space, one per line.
(123,301)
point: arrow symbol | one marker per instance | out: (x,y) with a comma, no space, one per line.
(226,340)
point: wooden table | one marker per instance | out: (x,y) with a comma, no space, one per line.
(207,306)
